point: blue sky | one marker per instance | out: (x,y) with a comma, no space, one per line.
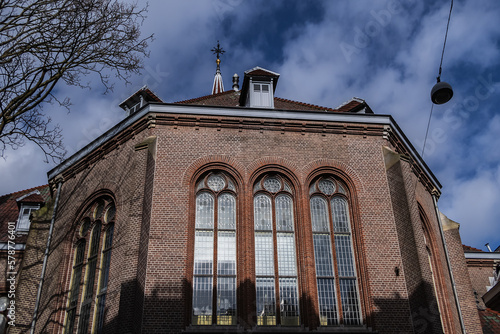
(386,52)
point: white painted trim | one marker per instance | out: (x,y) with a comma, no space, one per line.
(482,255)
(5,246)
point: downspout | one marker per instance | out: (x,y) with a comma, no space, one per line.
(440,223)
(45,257)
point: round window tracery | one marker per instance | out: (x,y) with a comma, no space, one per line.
(326,186)
(216,182)
(110,213)
(99,208)
(272,184)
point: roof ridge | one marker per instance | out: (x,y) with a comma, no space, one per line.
(30,189)
(201,98)
(306,104)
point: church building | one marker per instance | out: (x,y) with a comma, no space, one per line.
(241,211)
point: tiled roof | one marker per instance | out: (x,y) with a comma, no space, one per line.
(231,99)
(470,249)
(490,321)
(9,209)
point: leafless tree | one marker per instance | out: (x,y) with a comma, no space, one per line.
(43,42)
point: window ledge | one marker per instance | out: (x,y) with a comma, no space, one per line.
(345,329)
(214,329)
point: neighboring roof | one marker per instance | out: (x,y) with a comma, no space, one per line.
(490,321)
(135,98)
(231,99)
(471,249)
(9,207)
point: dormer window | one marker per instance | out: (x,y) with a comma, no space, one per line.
(258,88)
(23,222)
(261,95)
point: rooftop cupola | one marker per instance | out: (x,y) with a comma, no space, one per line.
(258,88)
(218,86)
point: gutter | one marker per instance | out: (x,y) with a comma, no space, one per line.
(440,223)
(45,258)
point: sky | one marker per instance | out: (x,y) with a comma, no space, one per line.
(386,52)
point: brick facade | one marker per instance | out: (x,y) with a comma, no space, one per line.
(150,168)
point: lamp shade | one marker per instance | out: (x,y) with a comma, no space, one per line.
(441,93)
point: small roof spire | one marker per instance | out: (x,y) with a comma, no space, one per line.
(218,86)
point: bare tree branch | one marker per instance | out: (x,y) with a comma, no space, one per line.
(45,41)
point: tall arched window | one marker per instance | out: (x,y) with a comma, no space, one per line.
(97,217)
(275,259)
(214,272)
(335,266)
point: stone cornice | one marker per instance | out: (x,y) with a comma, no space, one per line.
(158,114)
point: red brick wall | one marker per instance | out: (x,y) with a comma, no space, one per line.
(151,262)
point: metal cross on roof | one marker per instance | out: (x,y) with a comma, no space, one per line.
(218,50)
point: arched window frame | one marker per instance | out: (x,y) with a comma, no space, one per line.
(95,224)
(338,260)
(437,273)
(218,239)
(281,282)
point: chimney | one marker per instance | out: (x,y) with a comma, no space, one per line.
(236,80)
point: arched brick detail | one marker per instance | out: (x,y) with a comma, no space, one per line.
(328,165)
(277,164)
(223,162)
(79,213)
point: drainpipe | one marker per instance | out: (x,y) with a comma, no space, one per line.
(45,257)
(440,223)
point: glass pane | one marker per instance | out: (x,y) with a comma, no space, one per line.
(340,215)
(345,261)
(226,253)
(70,321)
(262,212)
(266,305)
(226,300)
(205,210)
(83,323)
(96,236)
(289,302)
(264,254)
(110,213)
(350,301)
(202,300)
(203,252)
(323,255)
(319,214)
(327,302)
(227,212)
(284,213)
(101,301)
(256,88)
(91,269)
(286,254)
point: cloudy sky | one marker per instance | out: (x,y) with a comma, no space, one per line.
(386,52)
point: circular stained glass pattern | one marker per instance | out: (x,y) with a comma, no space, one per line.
(216,182)
(327,187)
(272,184)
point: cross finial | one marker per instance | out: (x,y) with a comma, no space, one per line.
(218,50)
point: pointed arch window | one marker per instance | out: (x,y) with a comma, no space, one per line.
(214,272)
(275,255)
(91,259)
(336,276)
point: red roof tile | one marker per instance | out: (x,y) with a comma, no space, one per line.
(470,249)
(231,99)
(9,208)
(490,321)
